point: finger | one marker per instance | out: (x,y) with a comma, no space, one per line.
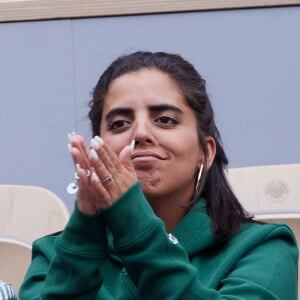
(76,156)
(125,156)
(100,168)
(83,176)
(91,192)
(101,191)
(85,199)
(112,157)
(109,178)
(107,150)
(107,157)
(110,163)
(77,142)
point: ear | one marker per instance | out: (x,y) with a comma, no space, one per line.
(211,151)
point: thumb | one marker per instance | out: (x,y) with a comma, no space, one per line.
(125,156)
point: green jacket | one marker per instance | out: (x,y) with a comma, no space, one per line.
(139,260)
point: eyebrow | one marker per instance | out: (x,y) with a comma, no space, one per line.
(151,108)
(163,107)
(118,111)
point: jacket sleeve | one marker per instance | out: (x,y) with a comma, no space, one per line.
(67,266)
(161,269)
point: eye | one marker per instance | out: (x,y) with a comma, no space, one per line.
(118,125)
(166,120)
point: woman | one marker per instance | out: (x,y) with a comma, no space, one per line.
(191,239)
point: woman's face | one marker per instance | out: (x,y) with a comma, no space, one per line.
(147,106)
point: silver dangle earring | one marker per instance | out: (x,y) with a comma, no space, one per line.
(72,187)
(199,178)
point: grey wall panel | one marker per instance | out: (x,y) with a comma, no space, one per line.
(37,104)
(250,59)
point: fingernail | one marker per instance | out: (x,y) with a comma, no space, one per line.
(94,155)
(99,140)
(70,136)
(132,144)
(77,167)
(94,144)
(95,178)
(70,148)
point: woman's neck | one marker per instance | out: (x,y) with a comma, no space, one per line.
(171,209)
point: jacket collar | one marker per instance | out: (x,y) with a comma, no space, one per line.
(194,232)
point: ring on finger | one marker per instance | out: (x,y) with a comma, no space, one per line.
(108,180)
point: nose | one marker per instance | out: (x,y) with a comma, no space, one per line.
(142,132)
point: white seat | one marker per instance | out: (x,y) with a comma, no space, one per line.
(290,219)
(30,212)
(267,189)
(271,193)
(15,257)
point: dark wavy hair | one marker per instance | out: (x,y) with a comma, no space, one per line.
(223,208)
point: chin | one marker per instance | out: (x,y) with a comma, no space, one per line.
(150,190)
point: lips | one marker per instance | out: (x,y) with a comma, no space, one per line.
(146,156)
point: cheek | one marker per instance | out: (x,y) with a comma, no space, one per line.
(187,145)
(189,155)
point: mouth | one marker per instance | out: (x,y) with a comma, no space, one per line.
(146,156)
